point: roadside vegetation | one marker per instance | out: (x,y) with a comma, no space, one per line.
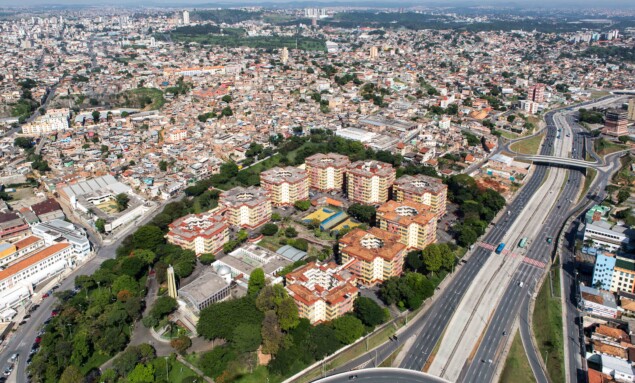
(528,146)
(517,368)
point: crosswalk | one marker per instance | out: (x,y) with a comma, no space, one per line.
(509,253)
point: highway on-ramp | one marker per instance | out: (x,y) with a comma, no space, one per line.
(382,375)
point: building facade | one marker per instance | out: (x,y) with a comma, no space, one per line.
(202,233)
(10,252)
(414,222)
(616,123)
(369,182)
(322,292)
(378,255)
(326,171)
(285,185)
(423,189)
(603,270)
(247,207)
(603,236)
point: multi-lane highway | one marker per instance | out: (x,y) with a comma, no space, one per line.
(426,330)
(382,375)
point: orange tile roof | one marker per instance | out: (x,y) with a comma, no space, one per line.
(25,242)
(353,247)
(31,260)
(423,216)
(612,332)
(598,377)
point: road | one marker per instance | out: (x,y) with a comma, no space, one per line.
(382,375)
(427,329)
(493,341)
(24,336)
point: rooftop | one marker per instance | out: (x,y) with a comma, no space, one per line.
(406,213)
(420,184)
(251,196)
(31,260)
(280,175)
(372,243)
(371,168)
(323,161)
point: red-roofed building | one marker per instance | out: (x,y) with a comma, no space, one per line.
(322,292)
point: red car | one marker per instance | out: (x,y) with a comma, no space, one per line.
(46,295)
(38,339)
(54,313)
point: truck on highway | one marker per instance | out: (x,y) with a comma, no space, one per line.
(500,248)
(522,243)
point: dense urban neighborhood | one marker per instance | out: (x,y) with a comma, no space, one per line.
(278,194)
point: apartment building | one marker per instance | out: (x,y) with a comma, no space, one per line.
(379,254)
(202,233)
(369,182)
(423,189)
(58,230)
(623,276)
(414,222)
(246,207)
(285,185)
(536,93)
(322,292)
(326,171)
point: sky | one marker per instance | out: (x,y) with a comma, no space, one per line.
(626,4)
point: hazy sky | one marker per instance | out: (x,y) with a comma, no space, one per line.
(630,4)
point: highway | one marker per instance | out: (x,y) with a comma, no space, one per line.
(493,341)
(382,375)
(427,329)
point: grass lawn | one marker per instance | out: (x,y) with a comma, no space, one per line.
(517,368)
(604,147)
(260,374)
(599,94)
(94,362)
(528,146)
(270,243)
(590,176)
(547,325)
(179,371)
(508,134)
(388,362)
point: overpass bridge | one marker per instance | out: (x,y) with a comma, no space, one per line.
(562,161)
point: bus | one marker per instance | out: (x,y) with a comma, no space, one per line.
(500,248)
(522,243)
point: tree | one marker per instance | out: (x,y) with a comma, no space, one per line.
(622,195)
(290,232)
(181,344)
(302,205)
(363,213)
(122,200)
(623,139)
(23,142)
(96,116)
(100,225)
(147,237)
(432,258)
(247,337)
(275,217)
(299,243)
(369,312)
(227,98)
(413,260)
(466,237)
(163,165)
(162,306)
(71,374)
(269,229)
(207,258)
(348,329)
(272,335)
(142,373)
(256,281)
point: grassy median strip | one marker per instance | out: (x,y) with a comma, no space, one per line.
(588,179)
(547,325)
(528,146)
(517,368)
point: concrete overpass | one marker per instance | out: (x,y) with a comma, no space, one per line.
(382,375)
(551,160)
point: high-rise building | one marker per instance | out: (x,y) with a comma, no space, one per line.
(378,254)
(616,123)
(326,171)
(322,292)
(186,17)
(423,189)
(284,55)
(369,182)
(536,93)
(414,222)
(631,109)
(285,185)
(246,207)
(202,233)
(374,52)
